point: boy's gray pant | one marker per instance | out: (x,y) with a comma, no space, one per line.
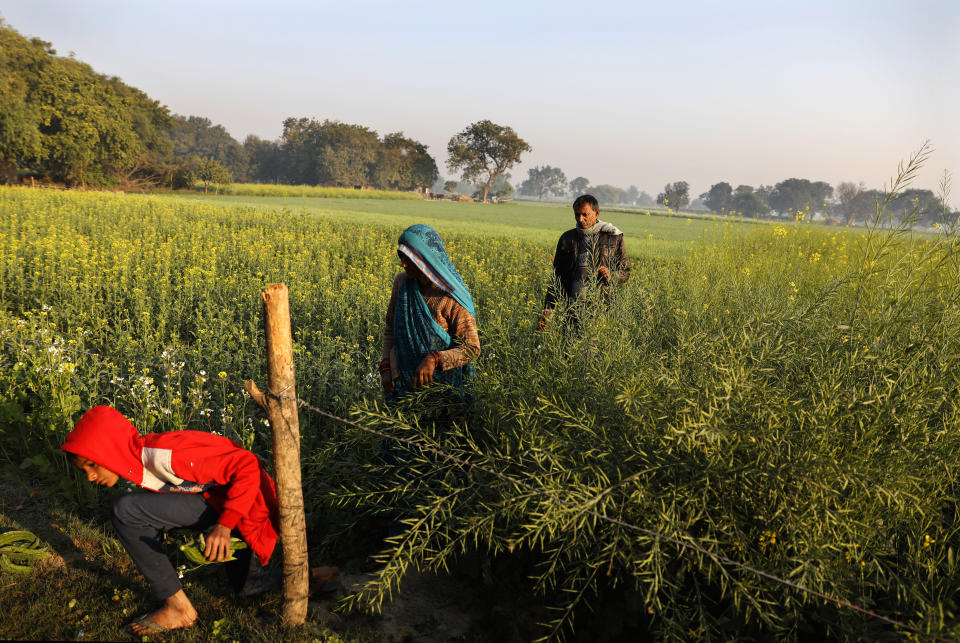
(138,519)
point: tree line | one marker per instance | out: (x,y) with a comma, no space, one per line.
(62,121)
(848,204)
(313,152)
(549,182)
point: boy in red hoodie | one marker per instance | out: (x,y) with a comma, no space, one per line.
(201,480)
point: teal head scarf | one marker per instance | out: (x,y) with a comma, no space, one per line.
(415,332)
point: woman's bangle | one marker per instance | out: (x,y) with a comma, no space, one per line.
(385,368)
(437,360)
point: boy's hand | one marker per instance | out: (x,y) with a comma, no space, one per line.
(218,544)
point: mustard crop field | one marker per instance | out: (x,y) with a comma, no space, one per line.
(313,191)
(773,397)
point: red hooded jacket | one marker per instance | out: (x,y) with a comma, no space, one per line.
(231,478)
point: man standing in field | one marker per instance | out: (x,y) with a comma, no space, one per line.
(591,251)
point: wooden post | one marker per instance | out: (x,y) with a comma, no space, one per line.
(285,424)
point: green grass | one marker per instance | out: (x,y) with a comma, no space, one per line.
(658,234)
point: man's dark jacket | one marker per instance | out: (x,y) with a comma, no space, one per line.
(577,259)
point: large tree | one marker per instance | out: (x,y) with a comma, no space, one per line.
(88,131)
(921,205)
(501,188)
(607,194)
(264,160)
(675,195)
(151,122)
(404,164)
(800,196)
(645,199)
(198,136)
(544,181)
(298,147)
(21,63)
(579,186)
(328,152)
(748,202)
(60,118)
(853,202)
(346,154)
(485,150)
(717,198)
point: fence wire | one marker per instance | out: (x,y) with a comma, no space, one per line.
(689,545)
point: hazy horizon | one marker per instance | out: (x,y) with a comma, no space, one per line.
(643,95)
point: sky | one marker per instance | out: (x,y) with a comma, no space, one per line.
(622,93)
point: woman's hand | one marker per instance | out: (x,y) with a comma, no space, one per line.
(544,320)
(424,375)
(218,544)
(386,380)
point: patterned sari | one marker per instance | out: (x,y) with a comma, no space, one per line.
(416,334)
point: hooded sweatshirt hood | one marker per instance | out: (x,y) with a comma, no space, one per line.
(104,436)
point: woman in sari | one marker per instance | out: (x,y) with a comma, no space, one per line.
(431,329)
(430,336)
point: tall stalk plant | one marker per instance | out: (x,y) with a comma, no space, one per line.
(788,400)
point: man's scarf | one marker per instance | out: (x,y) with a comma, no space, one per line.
(601,226)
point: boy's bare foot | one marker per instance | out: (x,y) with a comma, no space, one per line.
(176,613)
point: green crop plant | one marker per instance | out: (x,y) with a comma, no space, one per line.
(787,399)
(193,549)
(19,550)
